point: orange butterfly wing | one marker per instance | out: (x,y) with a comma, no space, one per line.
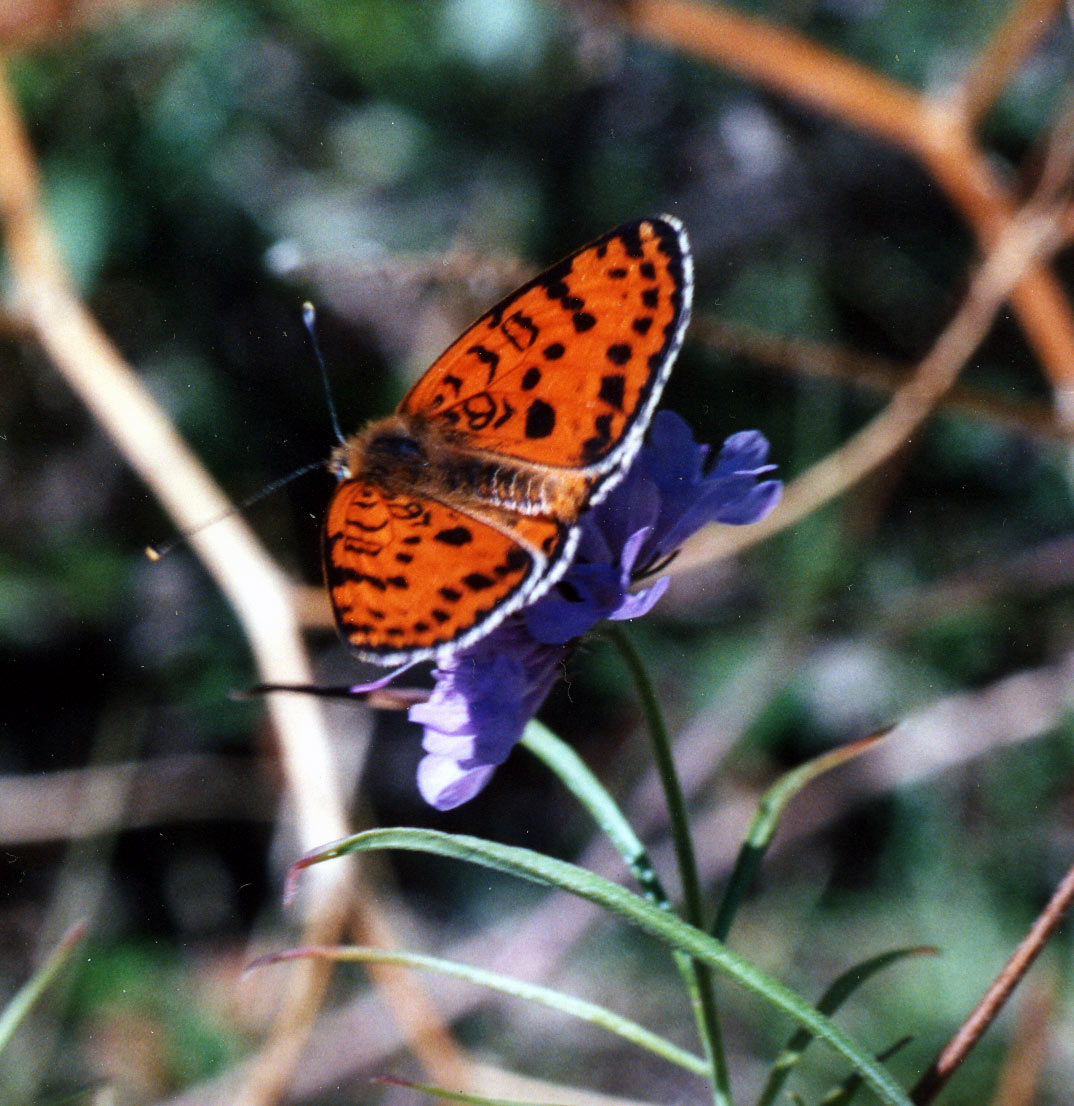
(408,575)
(567,370)
(562,376)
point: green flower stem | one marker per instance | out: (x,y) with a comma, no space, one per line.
(679,821)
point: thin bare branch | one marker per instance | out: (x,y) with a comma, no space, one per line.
(1033,234)
(256,588)
(802,356)
(996,997)
(938,131)
(1011,43)
(40,808)
(785,62)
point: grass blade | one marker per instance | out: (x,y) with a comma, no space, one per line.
(549,872)
(573,1007)
(834,997)
(23,1000)
(766,821)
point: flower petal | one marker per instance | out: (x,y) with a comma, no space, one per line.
(638,603)
(485,695)
(446,784)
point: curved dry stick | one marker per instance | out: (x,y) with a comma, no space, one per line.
(995,998)
(1031,235)
(808,358)
(1038,299)
(254,586)
(1011,43)
(257,590)
(936,131)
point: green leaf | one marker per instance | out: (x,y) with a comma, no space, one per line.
(845,1091)
(454,1096)
(549,872)
(589,1012)
(834,997)
(24,999)
(569,768)
(702,994)
(766,821)
(575,775)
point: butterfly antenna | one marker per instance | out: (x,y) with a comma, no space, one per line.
(156,551)
(309,318)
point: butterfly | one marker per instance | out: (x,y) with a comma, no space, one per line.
(464,506)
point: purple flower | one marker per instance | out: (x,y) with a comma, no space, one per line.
(485,695)
(483,698)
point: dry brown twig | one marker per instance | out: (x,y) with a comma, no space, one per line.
(995,998)
(805,357)
(1037,231)
(257,590)
(936,129)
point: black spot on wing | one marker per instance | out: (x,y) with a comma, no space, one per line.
(540,419)
(631,239)
(519,330)
(480,409)
(508,411)
(597,445)
(339,575)
(613,389)
(619,354)
(455,535)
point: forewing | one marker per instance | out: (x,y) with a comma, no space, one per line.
(567,370)
(411,578)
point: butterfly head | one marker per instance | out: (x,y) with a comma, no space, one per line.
(394,451)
